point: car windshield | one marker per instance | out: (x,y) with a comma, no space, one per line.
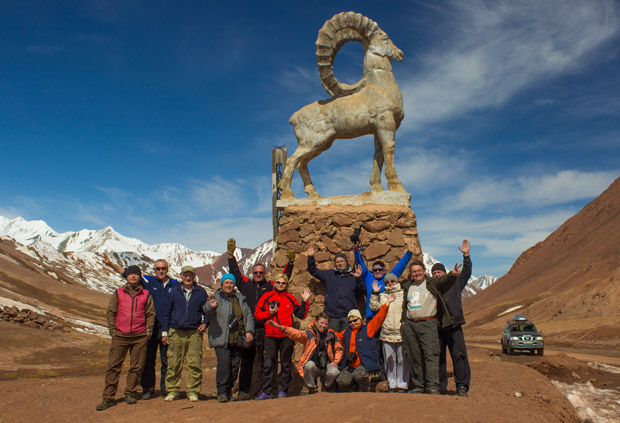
(523,328)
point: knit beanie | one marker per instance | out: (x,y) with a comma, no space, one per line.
(355,312)
(133,270)
(228,276)
(390,277)
(438,266)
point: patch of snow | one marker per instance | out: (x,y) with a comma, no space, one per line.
(592,404)
(6,302)
(90,328)
(509,310)
(605,367)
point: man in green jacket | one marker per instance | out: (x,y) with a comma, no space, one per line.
(424,312)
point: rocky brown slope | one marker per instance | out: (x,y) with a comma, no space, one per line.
(569,284)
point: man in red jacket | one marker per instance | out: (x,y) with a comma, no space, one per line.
(279,305)
(131,317)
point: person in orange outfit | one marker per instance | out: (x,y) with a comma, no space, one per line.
(360,346)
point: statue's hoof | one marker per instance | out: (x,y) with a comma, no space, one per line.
(397,187)
(286,194)
(311,192)
(376,188)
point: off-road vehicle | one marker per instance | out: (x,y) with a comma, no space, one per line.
(521,334)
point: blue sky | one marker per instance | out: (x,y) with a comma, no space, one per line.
(158,117)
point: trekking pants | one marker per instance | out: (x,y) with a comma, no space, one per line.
(136,346)
(421,343)
(184,345)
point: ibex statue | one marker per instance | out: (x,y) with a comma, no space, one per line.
(374,105)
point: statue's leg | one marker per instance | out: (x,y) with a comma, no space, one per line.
(377,165)
(305,176)
(287,174)
(386,130)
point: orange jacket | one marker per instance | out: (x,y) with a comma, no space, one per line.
(309,338)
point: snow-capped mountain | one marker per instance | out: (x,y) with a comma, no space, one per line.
(474,285)
(75,255)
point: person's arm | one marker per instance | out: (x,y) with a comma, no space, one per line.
(404,261)
(106,260)
(150,315)
(375,299)
(111,312)
(360,260)
(445,282)
(288,269)
(233,266)
(166,315)
(262,308)
(338,352)
(210,306)
(292,333)
(463,278)
(301,310)
(248,319)
(375,324)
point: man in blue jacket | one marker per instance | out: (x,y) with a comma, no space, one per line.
(184,323)
(378,272)
(451,337)
(158,286)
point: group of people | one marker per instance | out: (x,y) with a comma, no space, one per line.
(371,324)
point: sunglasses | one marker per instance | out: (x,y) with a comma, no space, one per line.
(161,268)
(378,269)
(280,282)
(259,273)
(390,282)
(354,321)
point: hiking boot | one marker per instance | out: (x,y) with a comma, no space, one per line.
(105,404)
(461,391)
(432,391)
(402,390)
(147,395)
(130,399)
(309,390)
(242,396)
(416,391)
(171,397)
(222,398)
(281,394)
(392,390)
(192,397)
(263,396)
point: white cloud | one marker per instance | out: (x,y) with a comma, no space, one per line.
(499,48)
(534,191)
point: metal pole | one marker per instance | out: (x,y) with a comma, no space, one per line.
(278,161)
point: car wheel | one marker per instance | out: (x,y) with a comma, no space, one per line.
(532,352)
(541,351)
(508,350)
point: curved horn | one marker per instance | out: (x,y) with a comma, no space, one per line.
(340,29)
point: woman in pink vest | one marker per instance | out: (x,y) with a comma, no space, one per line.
(131,317)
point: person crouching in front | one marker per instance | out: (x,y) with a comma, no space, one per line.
(131,317)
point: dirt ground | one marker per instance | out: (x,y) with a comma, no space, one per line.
(51,377)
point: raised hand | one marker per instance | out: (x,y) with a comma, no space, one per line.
(104,257)
(456,270)
(275,324)
(465,248)
(375,286)
(311,250)
(411,246)
(305,294)
(290,254)
(391,299)
(212,301)
(231,245)
(358,271)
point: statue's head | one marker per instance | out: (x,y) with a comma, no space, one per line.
(381,45)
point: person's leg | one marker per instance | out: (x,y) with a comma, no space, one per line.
(444,336)
(429,344)
(338,324)
(176,355)
(458,352)
(223,370)
(413,352)
(246,368)
(331,374)
(269,364)
(389,354)
(235,361)
(402,367)
(360,375)
(147,380)
(163,360)
(259,340)
(344,380)
(311,372)
(137,355)
(116,356)
(194,362)
(286,355)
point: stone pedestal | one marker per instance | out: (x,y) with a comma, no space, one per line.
(386,228)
